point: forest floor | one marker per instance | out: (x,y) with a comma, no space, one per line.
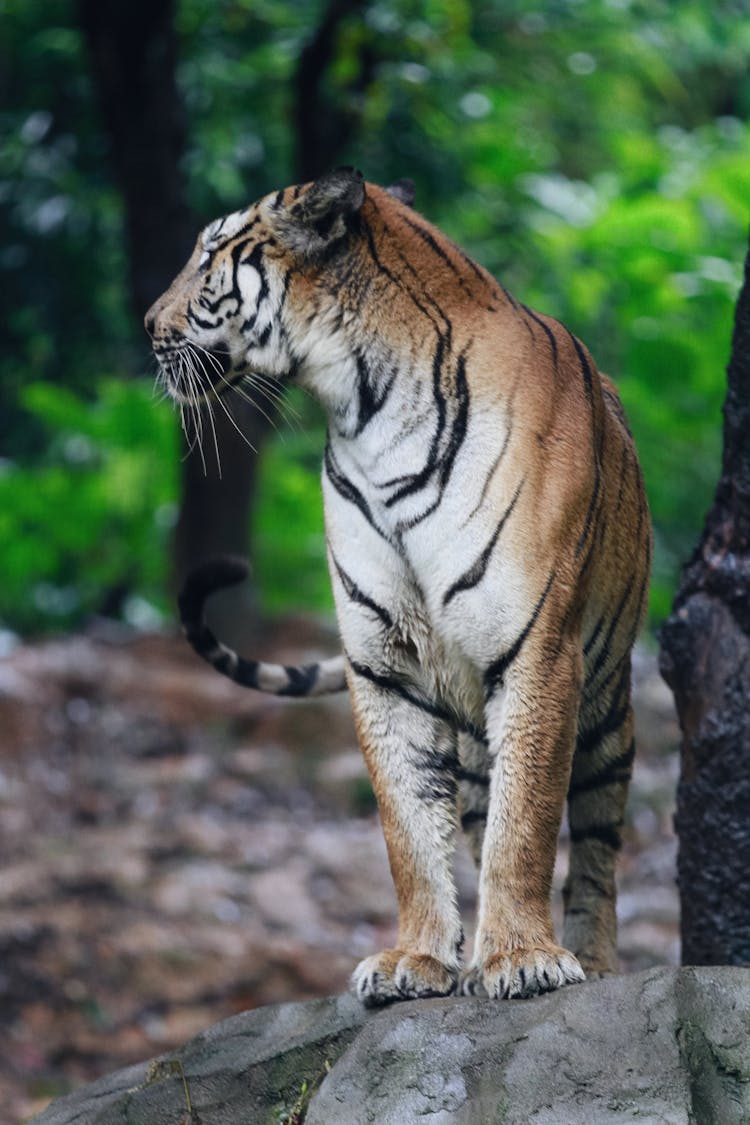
(176,849)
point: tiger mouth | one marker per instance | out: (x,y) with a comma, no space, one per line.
(190,372)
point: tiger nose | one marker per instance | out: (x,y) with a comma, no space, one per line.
(149,321)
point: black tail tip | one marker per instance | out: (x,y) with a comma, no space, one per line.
(205,579)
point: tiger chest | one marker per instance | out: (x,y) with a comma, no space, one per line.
(417,606)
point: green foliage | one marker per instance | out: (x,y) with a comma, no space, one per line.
(289,540)
(595,156)
(648,275)
(93,514)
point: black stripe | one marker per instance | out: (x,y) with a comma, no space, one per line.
(588,382)
(612,721)
(592,510)
(619,697)
(369,402)
(440,767)
(604,651)
(265,335)
(397,281)
(624,663)
(481,273)
(350,492)
(493,469)
(255,259)
(546,329)
(510,417)
(617,408)
(435,246)
(285,287)
(301,680)
(392,278)
(571,612)
(420,282)
(588,379)
(455,440)
(495,673)
(460,422)
(471,777)
(621,489)
(197,321)
(477,570)
(485,276)
(528,327)
(417,481)
(472,816)
(398,687)
(241,671)
(594,634)
(235,294)
(621,668)
(354,594)
(245,229)
(608,834)
(427,237)
(435,463)
(616,771)
(604,890)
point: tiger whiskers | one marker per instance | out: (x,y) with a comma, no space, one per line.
(194,394)
(194,377)
(202,383)
(274,395)
(210,399)
(267,387)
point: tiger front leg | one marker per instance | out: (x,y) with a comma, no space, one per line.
(531,716)
(412,760)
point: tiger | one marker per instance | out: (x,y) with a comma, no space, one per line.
(489,545)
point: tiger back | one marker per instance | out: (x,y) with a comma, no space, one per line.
(489,547)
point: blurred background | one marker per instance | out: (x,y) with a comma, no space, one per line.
(593,154)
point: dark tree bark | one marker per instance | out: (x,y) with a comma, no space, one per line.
(133,51)
(323,125)
(705,659)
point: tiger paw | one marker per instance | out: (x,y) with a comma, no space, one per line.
(521,973)
(397,975)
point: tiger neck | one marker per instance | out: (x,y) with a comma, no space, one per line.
(395,434)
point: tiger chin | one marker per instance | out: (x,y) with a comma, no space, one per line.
(489,547)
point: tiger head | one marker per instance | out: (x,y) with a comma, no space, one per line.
(251,291)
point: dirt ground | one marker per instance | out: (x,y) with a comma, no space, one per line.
(176,849)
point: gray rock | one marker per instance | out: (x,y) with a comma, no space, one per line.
(661,1047)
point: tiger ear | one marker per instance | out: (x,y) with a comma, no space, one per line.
(404,191)
(321,216)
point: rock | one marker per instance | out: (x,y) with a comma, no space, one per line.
(661,1047)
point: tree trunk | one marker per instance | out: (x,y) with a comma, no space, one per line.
(705,659)
(323,126)
(133,50)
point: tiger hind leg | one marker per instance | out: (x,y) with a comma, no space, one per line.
(473,777)
(602,767)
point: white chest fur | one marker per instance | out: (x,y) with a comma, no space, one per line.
(450,589)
